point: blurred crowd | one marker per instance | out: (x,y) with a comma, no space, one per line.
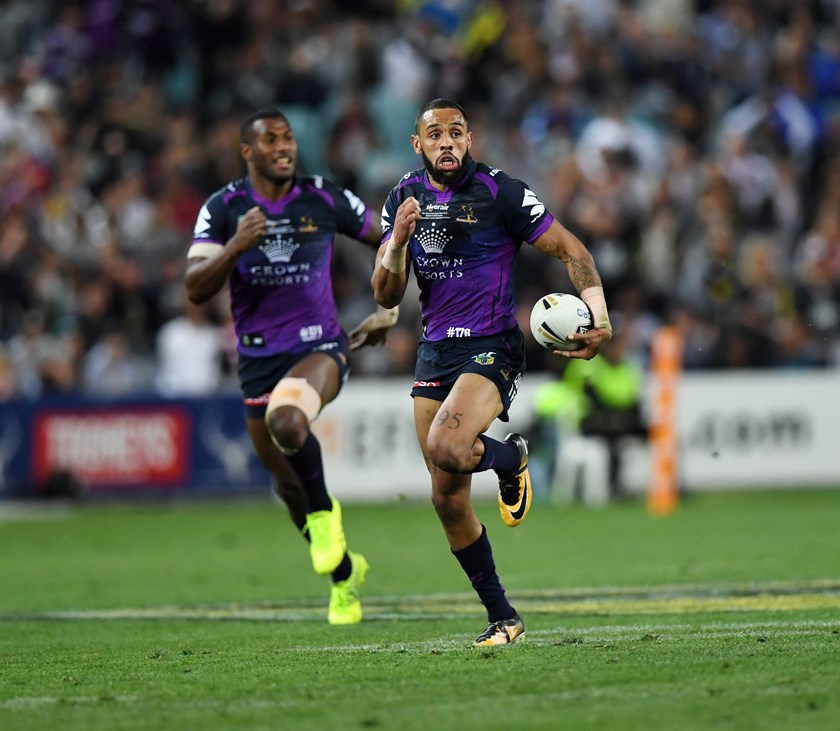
(693,145)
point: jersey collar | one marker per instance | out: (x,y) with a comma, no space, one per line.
(275,207)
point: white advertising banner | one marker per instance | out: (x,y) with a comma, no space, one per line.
(736,430)
(759,429)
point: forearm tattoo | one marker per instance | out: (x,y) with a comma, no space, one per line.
(583,274)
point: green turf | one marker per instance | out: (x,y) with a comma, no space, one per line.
(725,615)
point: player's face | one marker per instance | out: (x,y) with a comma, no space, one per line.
(272,152)
(444,144)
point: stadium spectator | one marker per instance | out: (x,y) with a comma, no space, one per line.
(190,354)
(117,121)
(110,369)
(269,238)
(459,225)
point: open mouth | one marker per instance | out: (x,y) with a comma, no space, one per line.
(447,162)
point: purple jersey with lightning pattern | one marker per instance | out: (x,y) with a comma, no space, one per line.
(281,289)
(464,246)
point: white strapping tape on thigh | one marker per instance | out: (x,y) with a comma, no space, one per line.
(295,392)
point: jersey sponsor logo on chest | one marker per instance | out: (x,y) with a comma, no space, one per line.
(277,227)
(436,211)
(279,250)
(433,238)
(465,213)
(439,267)
(281,226)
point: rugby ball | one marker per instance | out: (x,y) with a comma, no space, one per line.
(556,316)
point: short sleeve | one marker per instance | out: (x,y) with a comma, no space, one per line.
(523,214)
(352,215)
(211,222)
(389,213)
(210,232)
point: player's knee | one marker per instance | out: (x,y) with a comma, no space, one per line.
(447,455)
(288,428)
(293,405)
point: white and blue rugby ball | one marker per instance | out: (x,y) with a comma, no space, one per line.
(556,316)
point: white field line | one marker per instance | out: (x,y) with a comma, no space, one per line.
(24,702)
(595,635)
(18,511)
(611,601)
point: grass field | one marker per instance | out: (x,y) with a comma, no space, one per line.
(725,615)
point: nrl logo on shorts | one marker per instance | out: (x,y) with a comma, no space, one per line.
(485,358)
(279,250)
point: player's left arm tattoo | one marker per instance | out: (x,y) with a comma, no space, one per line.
(582,273)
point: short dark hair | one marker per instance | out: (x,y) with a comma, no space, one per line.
(439,103)
(246,129)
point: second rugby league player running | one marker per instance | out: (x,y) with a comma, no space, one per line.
(270,237)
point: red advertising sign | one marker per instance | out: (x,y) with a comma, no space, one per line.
(146,447)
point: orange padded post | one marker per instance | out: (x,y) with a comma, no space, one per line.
(666,366)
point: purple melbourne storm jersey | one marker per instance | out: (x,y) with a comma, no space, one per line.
(281,289)
(464,246)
